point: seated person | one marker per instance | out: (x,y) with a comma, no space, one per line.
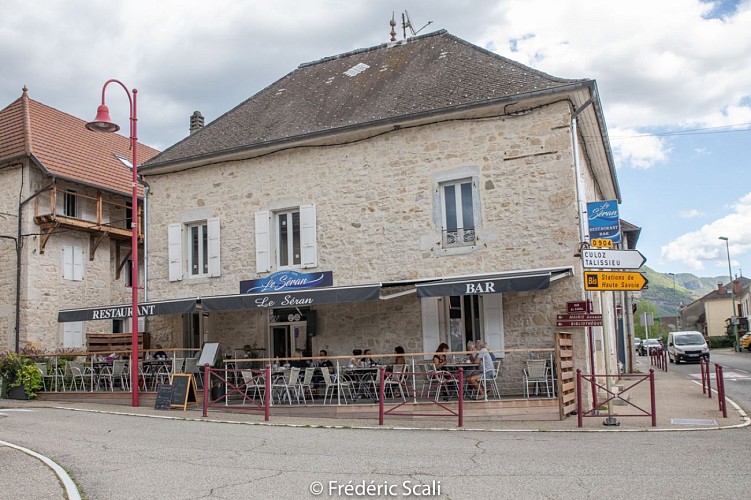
(368,360)
(399,359)
(486,369)
(296,362)
(354,361)
(160,354)
(439,359)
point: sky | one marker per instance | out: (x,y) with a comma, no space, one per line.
(674,79)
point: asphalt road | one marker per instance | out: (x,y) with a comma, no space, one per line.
(124,457)
(736,370)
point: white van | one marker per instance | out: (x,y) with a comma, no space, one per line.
(687,346)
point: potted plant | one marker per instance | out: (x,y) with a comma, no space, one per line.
(21,378)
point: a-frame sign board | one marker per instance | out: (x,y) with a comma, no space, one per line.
(183,390)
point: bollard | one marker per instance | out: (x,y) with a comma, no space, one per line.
(579,397)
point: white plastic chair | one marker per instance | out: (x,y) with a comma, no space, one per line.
(536,372)
(332,387)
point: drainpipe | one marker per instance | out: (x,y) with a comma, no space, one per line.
(583,235)
(19,245)
(145,226)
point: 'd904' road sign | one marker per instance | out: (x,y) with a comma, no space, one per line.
(614,281)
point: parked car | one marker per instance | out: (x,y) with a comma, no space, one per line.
(687,346)
(746,342)
(654,347)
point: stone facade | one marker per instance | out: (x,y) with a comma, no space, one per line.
(378,220)
(43,290)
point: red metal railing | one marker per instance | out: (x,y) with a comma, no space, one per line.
(236,384)
(659,358)
(706,381)
(595,412)
(401,379)
(720,381)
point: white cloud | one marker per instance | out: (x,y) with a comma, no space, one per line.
(691,214)
(701,248)
(631,148)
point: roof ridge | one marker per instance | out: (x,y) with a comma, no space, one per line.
(374,47)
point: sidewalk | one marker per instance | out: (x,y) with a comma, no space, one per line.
(680,405)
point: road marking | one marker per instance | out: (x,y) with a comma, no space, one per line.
(3,410)
(70,487)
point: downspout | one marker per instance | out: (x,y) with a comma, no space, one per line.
(584,237)
(19,245)
(146,192)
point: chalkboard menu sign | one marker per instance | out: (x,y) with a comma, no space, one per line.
(163,397)
(183,390)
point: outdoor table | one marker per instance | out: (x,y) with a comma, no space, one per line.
(363,379)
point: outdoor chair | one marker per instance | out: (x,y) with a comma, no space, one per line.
(255,385)
(536,372)
(75,374)
(112,373)
(391,382)
(280,384)
(305,385)
(50,378)
(334,387)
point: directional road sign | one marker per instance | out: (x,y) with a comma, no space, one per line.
(613,280)
(581,319)
(612,259)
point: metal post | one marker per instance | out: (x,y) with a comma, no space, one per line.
(652,396)
(579,397)
(267,393)
(461,397)
(381,393)
(206,391)
(733,319)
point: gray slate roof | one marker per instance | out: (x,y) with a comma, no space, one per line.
(425,74)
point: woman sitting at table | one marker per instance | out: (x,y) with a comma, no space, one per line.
(368,360)
(354,361)
(486,368)
(399,359)
(439,359)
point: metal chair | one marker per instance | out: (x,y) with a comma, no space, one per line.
(111,373)
(536,372)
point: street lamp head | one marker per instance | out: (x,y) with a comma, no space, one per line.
(102,122)
(723,238)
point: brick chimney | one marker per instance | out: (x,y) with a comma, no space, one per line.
(737,287)
(720,289)
(196,122)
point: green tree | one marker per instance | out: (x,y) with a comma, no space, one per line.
(655,331)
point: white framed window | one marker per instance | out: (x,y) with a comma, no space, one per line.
(289,235)
(199,243)
(73,334)
(458,213)
(72,263)
(198,249)
(70,204)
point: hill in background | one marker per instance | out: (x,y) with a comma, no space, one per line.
(688,288)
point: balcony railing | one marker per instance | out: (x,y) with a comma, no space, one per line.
(458,237)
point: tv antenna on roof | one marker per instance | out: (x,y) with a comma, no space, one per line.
(406,23)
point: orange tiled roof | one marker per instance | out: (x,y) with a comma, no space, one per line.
(65,148)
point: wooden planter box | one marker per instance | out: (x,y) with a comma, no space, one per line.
(111,342)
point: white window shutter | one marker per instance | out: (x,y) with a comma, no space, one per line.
(175,251)
(492,314)
(430,324)
(77,264)
(215,265)
(67,262)
(308,245)
(73,334)
(263,242)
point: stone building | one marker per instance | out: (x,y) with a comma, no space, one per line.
(65,237)
(435,188)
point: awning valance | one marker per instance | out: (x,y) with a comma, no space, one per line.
(522,281)
(177,306)
(293,298)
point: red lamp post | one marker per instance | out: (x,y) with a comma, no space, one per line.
(103,123)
